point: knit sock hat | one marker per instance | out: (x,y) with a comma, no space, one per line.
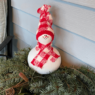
(45,22)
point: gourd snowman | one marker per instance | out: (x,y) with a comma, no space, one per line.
(44,58)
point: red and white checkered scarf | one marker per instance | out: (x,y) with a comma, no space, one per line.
(44,55)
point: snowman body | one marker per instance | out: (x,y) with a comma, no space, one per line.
(48,67)
(44,58)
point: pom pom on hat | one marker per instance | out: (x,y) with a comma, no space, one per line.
(45,8)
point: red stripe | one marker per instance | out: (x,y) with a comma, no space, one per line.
(45,32)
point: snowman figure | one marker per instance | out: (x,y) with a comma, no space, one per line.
(44,58)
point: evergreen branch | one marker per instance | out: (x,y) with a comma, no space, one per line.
(64,81)
(82,83)
(68,85)
(16,86)
(9,79)
(83,75)
(38,86)
(49,92)
(9,67)
(2,91)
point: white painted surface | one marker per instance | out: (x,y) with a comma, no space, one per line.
(25,20)
(75,19)
(68,60)
(79,47)
(19,44)
(29,6)
(25,35)
(88,3)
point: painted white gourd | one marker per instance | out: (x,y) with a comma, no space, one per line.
(48,66)
(44,58)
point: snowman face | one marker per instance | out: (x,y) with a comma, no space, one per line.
(45,39)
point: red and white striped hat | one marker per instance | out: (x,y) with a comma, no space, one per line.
(45,22)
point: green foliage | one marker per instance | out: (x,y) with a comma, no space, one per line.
(64,81)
